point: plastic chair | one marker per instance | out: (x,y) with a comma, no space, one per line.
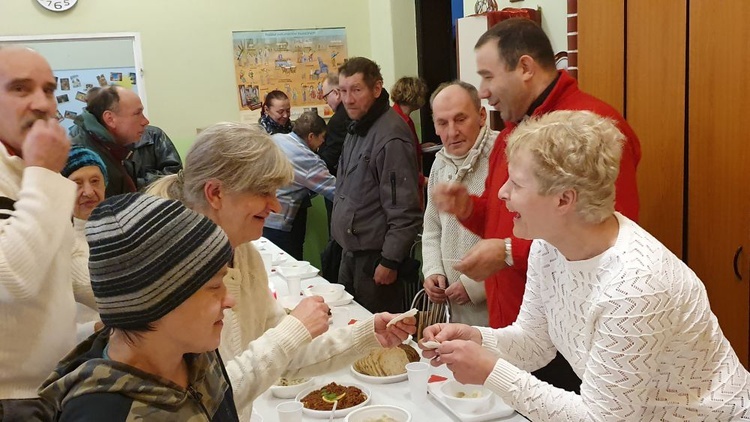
(429,312)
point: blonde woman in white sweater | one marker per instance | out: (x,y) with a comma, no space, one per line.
(231,175)
(631,318)
(37,291)
(459,120)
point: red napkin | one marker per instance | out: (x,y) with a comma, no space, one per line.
(436,378)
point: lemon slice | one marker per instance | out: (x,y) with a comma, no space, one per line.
(331,398)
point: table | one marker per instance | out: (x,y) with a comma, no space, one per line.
(396,394)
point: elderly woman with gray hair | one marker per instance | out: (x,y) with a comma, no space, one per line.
(632,319)
(231,175)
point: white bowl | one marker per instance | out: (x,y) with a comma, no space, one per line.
(329,291)
(339,413)
(302,269)
(290,391)
(376,411)
(452,389)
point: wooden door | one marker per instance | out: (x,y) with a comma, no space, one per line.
(655,108)
(601,50)
(719,158)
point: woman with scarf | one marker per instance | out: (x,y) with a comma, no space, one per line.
(274,115)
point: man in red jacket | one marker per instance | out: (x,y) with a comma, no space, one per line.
(519,79)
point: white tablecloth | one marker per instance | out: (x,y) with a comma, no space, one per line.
(396,394)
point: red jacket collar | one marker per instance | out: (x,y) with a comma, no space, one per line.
(564,83)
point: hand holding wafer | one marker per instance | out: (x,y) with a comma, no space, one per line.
(410,313)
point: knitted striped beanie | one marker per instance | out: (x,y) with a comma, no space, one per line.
(80,156)
(148,255)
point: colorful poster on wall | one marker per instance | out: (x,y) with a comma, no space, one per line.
(293,61)
(72,86)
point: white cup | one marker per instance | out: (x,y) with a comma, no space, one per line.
(290,411)
(339,317)
(419,374)
(267,260)
(294,285)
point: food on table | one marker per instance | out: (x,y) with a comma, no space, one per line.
(286,382)
(410,313)
(469,395)
(430,344)
(324,398)
(387,362)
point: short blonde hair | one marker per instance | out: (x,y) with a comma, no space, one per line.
(409,91)
(576,150)
(243,157)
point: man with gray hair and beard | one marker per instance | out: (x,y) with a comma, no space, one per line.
(37,306)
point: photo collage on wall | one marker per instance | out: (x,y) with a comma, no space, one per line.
(72,86)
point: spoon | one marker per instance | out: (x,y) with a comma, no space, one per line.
(335,404)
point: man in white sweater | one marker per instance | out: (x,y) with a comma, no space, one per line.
(459,120)
(37,306)
(631,318)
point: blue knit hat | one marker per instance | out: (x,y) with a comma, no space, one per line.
(79,157)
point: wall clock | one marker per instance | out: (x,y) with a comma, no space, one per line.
(57,5)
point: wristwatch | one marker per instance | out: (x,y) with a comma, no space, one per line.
(508,252)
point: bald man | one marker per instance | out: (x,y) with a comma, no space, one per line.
(112,121)
(37,254)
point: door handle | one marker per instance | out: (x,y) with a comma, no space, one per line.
(734,263)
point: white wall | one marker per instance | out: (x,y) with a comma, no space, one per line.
(187,45)
(86,54)
(394,41)
(554,18)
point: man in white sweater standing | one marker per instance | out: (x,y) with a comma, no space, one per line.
(459,120)
(37,306)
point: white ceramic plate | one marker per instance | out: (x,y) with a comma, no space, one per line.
(377,411)
(378,380)
(279,257)
(326,414)
(345,298)
(498,409)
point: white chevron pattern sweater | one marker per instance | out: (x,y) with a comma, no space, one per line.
(636,326)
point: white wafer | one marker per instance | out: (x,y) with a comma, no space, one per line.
(407,314)
(430,345)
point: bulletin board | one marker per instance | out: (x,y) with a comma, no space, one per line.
(72,86)
(293,61)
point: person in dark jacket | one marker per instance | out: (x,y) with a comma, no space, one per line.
(330,151)
(112,120)
(156,360)
(376,210)
(153,156)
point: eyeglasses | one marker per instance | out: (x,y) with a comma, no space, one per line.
(325,97)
